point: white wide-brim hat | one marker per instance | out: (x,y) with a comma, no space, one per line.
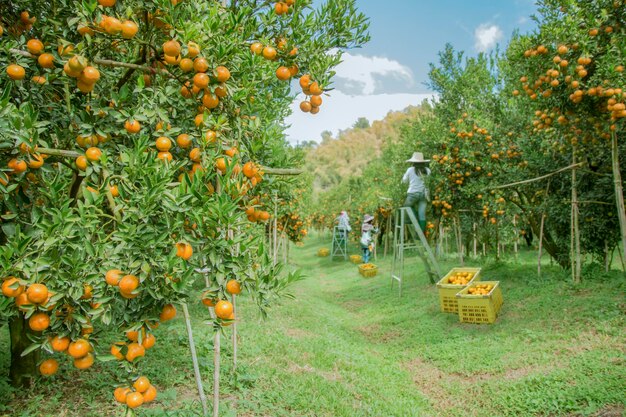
(367,218)
(418,157)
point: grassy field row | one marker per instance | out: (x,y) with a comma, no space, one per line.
(349,346)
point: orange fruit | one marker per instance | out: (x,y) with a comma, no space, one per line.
(128,283)
(186,65)
(132,335)
(148,341)
(134,399)
(16,72)
(49,367)
(183,140)
(60,344)
(34,46)
(184,250)
(201,80)
(220,164)
(256,48)
(37,293)
(141,384)
(150,394)
(163,144)
(120,394)
(84,362)
(116,350)
(210,101)
(269,52)
(135,350)
(22,300)
(168,312)
(113,277)
(46,60)
(12,292)
(39,322)
(81,163)
(250,169)
(172,60)
(305,106)
(233,287)
(171,48)
(115,192)
(36,161)
(220,91)
(207,300)
(223,309)
(129,29)
(195,155)
(84,30)
(193,50)
(200,65)
(90,75)
(316,101)
(222,74)
(283,73)
(79,348)
(231,152)
(107,3)
(165,156)
(132,126)
(93,154)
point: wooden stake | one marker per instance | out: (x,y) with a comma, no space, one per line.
(235,334)
(543,219)
(575,240)
(475,239)
(194,358)
(516,236)
(216,374)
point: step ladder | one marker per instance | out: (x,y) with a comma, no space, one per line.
(408,236)
(340,243)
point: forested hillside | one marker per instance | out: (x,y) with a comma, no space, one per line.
(336,159)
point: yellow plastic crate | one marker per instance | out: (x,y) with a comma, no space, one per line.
(447,291)
(368,270)
(356,259)
(480,308)
(323,252)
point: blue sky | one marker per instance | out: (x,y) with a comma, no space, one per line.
(389,72)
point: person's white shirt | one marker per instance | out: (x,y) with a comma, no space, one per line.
(416,182)
(344,222)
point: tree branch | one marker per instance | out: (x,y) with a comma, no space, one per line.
(567,168)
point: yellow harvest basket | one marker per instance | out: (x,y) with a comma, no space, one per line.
(448,291)
(368,270)
(323,252)
(356,259)
(480,308)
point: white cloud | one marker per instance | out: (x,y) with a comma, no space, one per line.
(486,36)
(339,111)
(363,71)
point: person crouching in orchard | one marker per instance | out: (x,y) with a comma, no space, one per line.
(367,240)
(417,195)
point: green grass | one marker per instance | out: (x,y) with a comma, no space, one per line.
(349,346)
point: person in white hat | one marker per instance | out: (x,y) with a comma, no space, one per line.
(343,225)
(417,194)
(367,240)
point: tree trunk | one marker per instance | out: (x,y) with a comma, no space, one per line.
(619,192)
(23,368)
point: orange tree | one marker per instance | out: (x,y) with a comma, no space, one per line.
(132,137)
(568,75)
